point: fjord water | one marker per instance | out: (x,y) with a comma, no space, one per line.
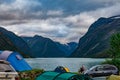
(49,64)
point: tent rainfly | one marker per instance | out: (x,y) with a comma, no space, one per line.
(15,59)
(61,69)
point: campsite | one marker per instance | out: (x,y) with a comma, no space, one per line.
(26,72)
(59,39)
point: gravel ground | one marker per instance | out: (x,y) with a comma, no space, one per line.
(99,78)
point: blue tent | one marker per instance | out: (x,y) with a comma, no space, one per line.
(15,59)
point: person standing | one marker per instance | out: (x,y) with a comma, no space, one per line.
(81,70)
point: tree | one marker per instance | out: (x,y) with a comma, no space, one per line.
(114,51)
(115,46)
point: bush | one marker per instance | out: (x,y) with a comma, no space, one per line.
(115,62)
(30,74)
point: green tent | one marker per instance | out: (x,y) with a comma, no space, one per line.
(47,76)
(61,76)
(64,76)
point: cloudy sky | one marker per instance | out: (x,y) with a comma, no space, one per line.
(60,20)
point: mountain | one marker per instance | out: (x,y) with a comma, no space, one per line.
(36,46)
(96,41)
(45,47)
(10,41)
(67,48)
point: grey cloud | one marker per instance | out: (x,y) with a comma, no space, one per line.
(38,9)
(6,16)
(13,22)
(61,23)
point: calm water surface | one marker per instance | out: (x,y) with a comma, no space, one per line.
(72,63)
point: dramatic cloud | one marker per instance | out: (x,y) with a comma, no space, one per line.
(60,20)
